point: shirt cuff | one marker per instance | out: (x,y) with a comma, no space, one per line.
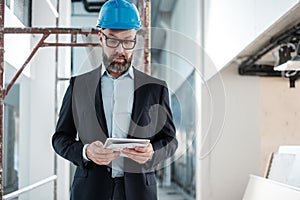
(85,158)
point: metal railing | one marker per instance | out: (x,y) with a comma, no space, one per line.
(29,188)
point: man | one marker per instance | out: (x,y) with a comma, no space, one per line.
(118,101)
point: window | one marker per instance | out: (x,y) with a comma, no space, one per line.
(10,146)
(22,10)
(7,3)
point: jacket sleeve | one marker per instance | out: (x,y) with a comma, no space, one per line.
(64,140)
(165,142)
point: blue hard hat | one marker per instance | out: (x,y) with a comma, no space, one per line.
(119,14)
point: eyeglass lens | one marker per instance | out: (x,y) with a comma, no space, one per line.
(114,43)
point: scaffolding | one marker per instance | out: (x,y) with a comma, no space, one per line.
(144,7)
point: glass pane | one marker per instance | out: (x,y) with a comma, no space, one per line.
(22,9)
(10,146)
(27,154)
(7,3)
(183,169)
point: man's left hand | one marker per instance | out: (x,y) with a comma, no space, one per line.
(139,154)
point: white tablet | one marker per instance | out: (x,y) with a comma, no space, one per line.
(118,144)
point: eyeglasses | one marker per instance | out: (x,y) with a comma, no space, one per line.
(114,42)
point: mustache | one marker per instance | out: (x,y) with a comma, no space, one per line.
(118,56)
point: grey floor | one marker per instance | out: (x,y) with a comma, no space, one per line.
(172,193)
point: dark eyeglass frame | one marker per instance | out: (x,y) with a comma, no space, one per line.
(119,41)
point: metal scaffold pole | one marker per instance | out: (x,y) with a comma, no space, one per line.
(145,12)
(147,36)
(1,89)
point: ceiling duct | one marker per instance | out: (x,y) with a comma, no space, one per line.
(254,64)
(287,62)
(275,46)
(91,5)
(283,47)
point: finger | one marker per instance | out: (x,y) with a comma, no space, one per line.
(102,152)
(148,148)
(110,156)
(141,149)
(106,151)
(101,149)
(105,160)
(138,154)
(131,151)
(96,147)
(138,159)
(98,143)
(116,154)
(134,152)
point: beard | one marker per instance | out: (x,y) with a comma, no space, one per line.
(116,66)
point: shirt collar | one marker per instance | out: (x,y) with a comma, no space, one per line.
(129,72)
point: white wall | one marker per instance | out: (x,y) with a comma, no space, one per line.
(225,170)
(42,105)
(37,99)
(260,115)
(43,116)
(64,71)
(229,27)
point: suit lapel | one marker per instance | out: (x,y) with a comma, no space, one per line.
(136,108)
(99,107)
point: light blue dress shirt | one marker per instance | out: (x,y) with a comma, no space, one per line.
(117,96)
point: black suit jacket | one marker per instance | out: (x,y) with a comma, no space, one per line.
(82,120)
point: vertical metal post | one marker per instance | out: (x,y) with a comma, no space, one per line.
(1,88)
(55,96)
(144,7)
(147,24)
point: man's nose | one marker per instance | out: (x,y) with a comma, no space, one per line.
(120,49)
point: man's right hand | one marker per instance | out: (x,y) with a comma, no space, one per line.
(99,155)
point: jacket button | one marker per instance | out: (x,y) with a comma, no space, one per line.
(108,169)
